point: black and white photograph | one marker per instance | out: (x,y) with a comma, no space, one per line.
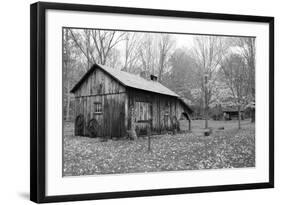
(140,102)
(137,102)
(145,101)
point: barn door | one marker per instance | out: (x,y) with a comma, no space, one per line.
(79,125)
(167,123)
(143,117)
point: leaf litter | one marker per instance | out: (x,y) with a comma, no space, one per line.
(226,149)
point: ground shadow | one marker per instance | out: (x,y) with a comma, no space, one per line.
(24,195)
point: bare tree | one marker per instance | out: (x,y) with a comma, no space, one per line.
(83,43)
(208,52)
(114,58)
(236,76)
(181,74)
(104,41)
(154,52)
(165,45)
(89,48)
(96,45)
(66,64)
(131,53)
(248,51)
(148,53)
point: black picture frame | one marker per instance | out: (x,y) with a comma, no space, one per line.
(38,101)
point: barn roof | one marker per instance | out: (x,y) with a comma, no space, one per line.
(132,81)
(128,80)
(232,109)
(186,103)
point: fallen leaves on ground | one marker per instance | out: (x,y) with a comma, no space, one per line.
(225,149)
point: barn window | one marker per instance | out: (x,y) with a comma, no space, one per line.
(98,107)
(143,111)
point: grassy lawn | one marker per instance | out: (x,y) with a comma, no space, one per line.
(230,124)
(228,148)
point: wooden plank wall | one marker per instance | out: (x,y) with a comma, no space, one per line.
(118,104)
(102,88)
(161,106)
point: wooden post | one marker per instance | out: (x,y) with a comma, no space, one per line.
(206,100)
(239,116)
(149,144)
(133,126)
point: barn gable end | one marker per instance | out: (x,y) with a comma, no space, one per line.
(97,102)
(99,82)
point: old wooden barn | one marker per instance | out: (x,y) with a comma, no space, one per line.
(109,102)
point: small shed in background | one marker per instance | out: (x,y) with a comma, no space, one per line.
(231,113)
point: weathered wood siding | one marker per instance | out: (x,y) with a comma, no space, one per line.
(101,88)
(163,110)
(110,109)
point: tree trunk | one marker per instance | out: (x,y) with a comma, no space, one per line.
(161,65)
(206,117)
(133,126)
(68,101)
(206,106)
(239,117)
(66,64)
